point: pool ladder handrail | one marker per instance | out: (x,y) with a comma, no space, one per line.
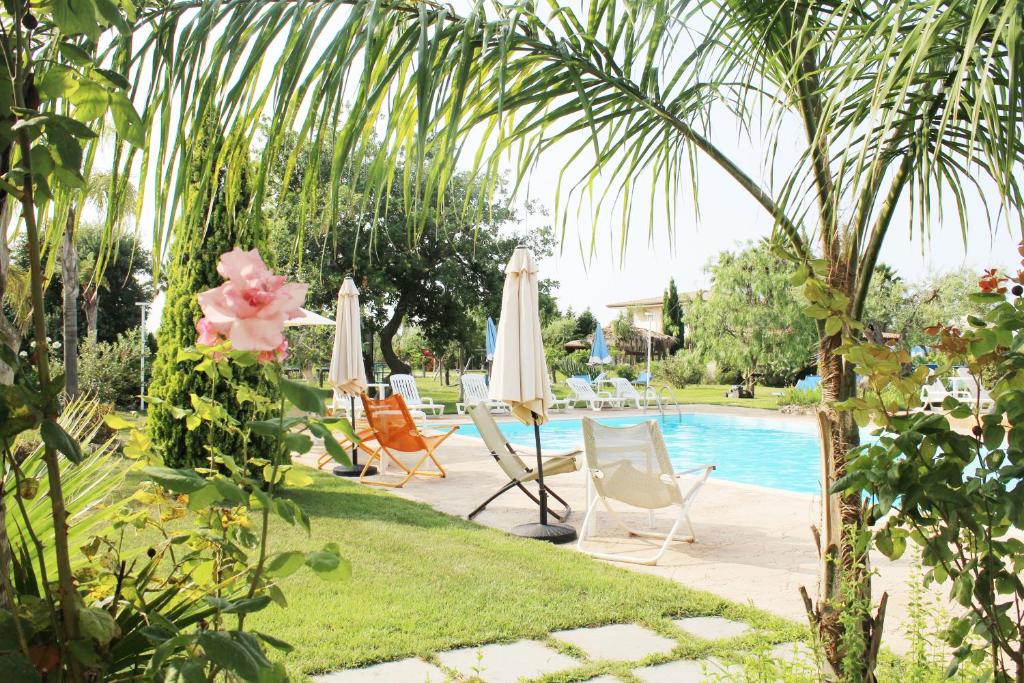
(662,398)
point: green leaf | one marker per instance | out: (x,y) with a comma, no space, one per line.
(273,642)
(833,325)
(236,652)
(112,15)
(57,81)
(14,667)
(184,671)
(56,438)
(98,624)
(296,477)
(285,564)
(298,443)
(329,564)
(90,99)
(74,17)
(817,312)
(126,120)
(304,397)
(116,422)
(75,54)
(203,498)
(179,481)
(231,491)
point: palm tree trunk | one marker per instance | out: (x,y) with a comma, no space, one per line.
(69,281)
(90,305)
(844,587)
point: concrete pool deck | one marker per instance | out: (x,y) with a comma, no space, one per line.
(754,545)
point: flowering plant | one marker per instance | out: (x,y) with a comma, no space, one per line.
(949,480)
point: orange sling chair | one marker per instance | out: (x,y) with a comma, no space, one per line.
(396,432)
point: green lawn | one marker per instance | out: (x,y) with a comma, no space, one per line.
(424,581)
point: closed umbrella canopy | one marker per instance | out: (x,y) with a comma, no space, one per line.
(519,376)
(347,373)
(599,354)
(492,339)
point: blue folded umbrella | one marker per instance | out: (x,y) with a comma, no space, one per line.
(491,342)
(599,354)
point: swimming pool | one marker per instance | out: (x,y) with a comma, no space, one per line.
(777,453)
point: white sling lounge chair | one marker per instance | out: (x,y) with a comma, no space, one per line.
(631,465)
(626,391)
(511,462)
(582,392)
(406,386)
(474,392)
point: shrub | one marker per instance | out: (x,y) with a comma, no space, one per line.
(684,367)
(791,396)
(625,371)
(175,379)
(109,371)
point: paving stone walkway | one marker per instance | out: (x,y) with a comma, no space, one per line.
(527,660)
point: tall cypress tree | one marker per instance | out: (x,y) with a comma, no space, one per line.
(193,269)
(672,312)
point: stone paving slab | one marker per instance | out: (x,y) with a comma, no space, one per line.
(796,653)
(506,663)
(712,628)
(688,671)
(621,642)
(606,678)
(407,670)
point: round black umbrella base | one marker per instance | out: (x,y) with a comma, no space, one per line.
(552,533)
(353,471)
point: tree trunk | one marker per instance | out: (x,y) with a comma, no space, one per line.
(844,576)
(69,281)
(10,338)
(387,337)
(90,306)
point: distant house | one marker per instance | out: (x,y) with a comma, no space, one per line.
(649,311)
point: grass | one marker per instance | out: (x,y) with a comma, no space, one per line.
(702,394)
(424,581)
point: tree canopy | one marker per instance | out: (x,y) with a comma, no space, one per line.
(751,319)
(446,281)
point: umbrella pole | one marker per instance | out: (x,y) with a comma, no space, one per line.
(355,469)
(540,475)
(552,533)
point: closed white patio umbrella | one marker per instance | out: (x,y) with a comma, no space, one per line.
(519,375)
(347,374)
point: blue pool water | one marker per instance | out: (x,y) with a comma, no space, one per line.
(777,453)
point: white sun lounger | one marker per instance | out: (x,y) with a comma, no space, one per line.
(474,392)
(406,386)
(932,395)
(582,392)
(631,465)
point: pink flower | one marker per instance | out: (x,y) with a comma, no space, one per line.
(208,336)
(278,354)
(250,309)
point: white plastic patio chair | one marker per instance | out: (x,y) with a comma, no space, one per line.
(406,386)
(626,391)
(932,395)
(631,465)
(474,392)
(582,392)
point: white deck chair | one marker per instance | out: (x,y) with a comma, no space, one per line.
(626,391)
(474,392)
(631,465)
(932,395)
(513,464)
(406,386)
(582,392)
